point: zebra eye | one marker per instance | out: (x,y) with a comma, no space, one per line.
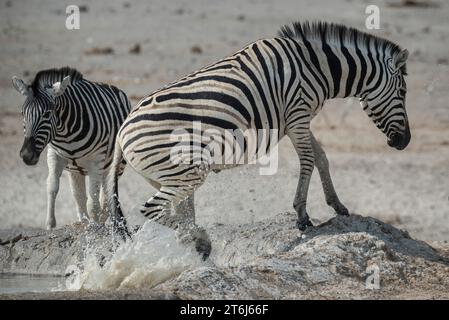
(46,114)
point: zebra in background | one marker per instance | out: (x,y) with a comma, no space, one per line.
(78,120)
(277,84)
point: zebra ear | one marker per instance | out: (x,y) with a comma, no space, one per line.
(59,87)
(401,59)
(21,86)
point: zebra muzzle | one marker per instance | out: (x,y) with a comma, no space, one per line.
(28,152)
(400,141)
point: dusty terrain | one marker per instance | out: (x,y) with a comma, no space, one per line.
(407,189)
(269,259)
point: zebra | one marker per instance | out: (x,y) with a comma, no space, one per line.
(277,84)
(78,120)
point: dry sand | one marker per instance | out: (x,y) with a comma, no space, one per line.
(408,189)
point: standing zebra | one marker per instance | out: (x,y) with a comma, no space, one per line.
(276,84)
(79,121)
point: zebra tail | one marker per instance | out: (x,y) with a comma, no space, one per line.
(115,210)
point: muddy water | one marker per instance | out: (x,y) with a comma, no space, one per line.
(19,283)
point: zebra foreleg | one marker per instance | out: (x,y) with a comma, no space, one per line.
(300,138)
(55,166)
(322,164)
(78,186)
(158,209)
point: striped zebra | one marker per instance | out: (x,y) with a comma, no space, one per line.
(78,120)
(276,84)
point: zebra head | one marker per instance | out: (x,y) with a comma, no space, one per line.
(39,116)
(385,102)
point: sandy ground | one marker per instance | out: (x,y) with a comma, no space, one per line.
(409,189)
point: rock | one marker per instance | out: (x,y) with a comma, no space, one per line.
(135,49)
(196,49)
(180,11)
(270,260)
(241,17)
(49,252)
(413,4)
(345,257)
(99,51)
(84,8)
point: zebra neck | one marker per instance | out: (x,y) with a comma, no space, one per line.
(340,70)
(70,116)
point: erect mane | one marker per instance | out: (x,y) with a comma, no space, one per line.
(48,77)
(337,34)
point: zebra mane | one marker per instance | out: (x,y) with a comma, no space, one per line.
(46,78)
(337,34)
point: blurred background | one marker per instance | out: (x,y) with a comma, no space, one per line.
(139,46)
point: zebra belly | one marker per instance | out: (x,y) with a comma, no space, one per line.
(155,156)
(85,164)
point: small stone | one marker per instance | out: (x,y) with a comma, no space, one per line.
(180,11)
(99,51)
(196,49)
(241,17)
(426,29)
(135,49)
(83,8)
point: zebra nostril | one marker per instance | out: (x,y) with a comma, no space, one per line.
(399,141)
(394,140)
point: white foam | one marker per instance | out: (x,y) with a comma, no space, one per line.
(152,257)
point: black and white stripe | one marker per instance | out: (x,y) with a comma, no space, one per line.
(275,84)
(78,120)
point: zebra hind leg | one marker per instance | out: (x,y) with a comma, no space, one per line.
(158,209)
(322,164)
(187,208)
(78,186)
(93,199)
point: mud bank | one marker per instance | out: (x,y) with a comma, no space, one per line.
(268,259)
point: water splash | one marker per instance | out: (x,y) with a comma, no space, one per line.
(152,257)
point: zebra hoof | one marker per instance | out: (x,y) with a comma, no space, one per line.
(203,247)
(123,234)
(189,233)
(302,224)
(51,225)
(340,209)
(121,231)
